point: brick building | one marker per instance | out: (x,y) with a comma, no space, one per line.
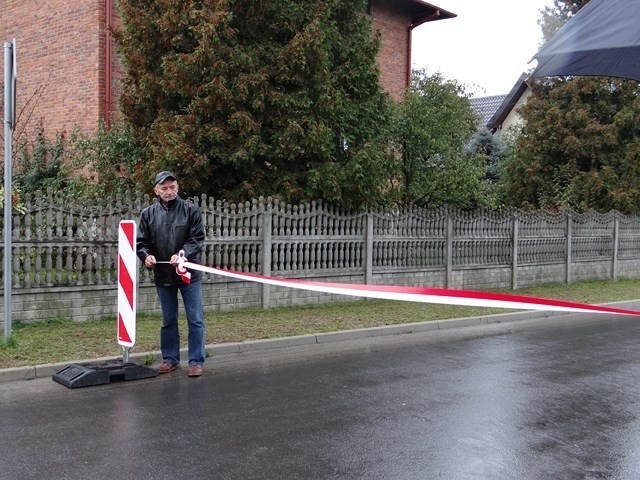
(396,20)
(64,62)
(68,72)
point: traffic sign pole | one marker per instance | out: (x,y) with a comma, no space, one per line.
(9,125)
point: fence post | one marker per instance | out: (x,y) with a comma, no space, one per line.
(614,259)
(514,253)
(449,252)
(569,242)
(267,220)
(368,249)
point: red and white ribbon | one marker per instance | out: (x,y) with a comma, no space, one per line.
(181,269)
(414,294)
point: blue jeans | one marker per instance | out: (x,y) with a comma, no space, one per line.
(170,334)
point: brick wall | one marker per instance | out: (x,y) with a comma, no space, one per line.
(61,62)
(393,58)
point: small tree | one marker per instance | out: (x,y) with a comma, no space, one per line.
(434,123)
(491,148)
(40,163)
(103,163)
(552,18)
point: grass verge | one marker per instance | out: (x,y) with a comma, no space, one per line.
(62,340)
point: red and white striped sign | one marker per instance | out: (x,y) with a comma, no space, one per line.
(127,282)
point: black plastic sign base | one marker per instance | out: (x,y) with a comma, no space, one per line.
(98,373)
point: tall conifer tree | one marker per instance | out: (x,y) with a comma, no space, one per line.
(251,97)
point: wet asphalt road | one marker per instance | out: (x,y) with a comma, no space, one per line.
(546,399)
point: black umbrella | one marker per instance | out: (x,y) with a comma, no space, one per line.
(602,39)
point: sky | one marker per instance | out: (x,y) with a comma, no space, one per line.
(486,47)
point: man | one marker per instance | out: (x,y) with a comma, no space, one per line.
(167,227)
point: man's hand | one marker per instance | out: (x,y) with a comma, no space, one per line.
(150,261)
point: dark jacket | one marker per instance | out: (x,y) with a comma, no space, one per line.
(164,231)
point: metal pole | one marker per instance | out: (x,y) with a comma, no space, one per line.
(8,129)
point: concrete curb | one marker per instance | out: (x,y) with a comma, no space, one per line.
(48,370)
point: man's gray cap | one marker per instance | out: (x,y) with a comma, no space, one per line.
(162,176)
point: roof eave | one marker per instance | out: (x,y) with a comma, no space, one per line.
(423,12)
(508,103)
